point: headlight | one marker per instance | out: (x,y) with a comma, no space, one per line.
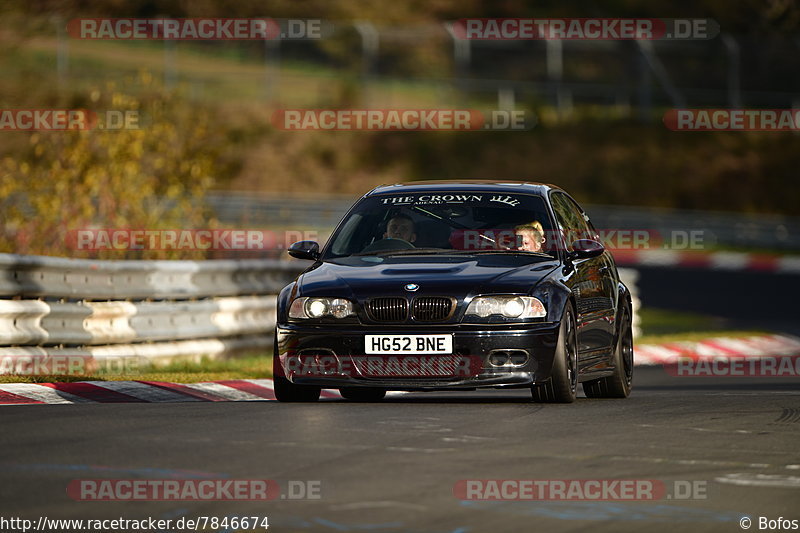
(320,307)
(507,306)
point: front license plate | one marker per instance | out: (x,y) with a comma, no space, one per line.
(408,344)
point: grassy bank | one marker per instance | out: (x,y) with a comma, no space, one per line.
(251,366)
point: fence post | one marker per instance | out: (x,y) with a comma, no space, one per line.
(655,64)
(272,67)
(370,44)
(555,73)
(734,83)
(462,55)
(62,52)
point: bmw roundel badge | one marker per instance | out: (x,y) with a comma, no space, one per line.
(411,287)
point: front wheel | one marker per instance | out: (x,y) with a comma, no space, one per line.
(286,391)
(620,383)
(359,394)
(563,382)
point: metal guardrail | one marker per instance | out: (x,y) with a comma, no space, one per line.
(717,228)
(36,322)
(53,277)
(156,310)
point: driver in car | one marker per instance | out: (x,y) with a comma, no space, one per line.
(400,227)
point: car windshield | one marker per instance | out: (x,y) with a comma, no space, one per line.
(445,223)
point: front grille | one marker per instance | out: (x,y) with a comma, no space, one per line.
(432,308)
(427,366)
(388,309)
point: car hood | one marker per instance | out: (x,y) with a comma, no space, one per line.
(360,277)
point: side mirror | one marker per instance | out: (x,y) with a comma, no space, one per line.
(585,248)
(304,250)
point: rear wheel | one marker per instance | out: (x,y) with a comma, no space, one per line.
(563,382)
(359,394)
(619,384)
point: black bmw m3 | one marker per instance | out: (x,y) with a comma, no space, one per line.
(442,285)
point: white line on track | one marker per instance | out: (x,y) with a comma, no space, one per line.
(760,480)
(142,391)
(377,505)
(42,393)
(266,383)
(223,391)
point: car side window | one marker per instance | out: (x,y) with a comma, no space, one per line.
(591,232)
(570,219)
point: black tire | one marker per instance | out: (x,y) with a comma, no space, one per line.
(620,383)
(362,394)
(286,391)
(563,383)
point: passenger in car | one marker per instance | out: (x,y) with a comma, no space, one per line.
(530,236)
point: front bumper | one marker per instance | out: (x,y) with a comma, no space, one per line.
(477,343)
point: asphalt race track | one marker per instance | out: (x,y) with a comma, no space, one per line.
(393,466)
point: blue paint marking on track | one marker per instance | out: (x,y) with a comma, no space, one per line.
(658,512)
(143,472)
(315,523)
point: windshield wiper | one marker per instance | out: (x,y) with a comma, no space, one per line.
(457,225)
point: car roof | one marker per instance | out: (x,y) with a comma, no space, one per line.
(499,186)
